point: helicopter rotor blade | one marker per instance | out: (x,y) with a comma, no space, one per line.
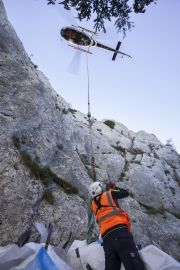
(75,63)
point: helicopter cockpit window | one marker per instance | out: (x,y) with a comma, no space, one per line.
(76,37)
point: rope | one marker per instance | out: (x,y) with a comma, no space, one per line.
(90,124)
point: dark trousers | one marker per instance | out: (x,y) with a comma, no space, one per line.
(119,247)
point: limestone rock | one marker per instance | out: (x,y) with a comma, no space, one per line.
(46,147)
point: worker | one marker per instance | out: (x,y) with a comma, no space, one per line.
(114,225)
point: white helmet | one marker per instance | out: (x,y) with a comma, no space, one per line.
(95,189)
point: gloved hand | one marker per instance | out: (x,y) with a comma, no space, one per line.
(111,185)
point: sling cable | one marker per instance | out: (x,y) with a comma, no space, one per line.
(90,121)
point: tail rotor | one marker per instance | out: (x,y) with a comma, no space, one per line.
(117,49)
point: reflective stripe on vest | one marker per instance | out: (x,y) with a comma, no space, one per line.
(113,212)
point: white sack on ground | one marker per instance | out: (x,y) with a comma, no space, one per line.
(93,254)
(59,263)
(30,256)
(12,255)
(156,259)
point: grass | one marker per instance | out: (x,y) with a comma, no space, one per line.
(72,110)
(68,188)
(176,215)
(16,141)
(48,196)
(173,191)
(161,211)
(119,148)
(110,123)
(152,211)
(45,174)
(64,111)
(42,173)
(122,175)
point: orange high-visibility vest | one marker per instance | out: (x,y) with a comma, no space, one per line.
(110,214)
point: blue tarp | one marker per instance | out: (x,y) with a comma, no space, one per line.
(42,261)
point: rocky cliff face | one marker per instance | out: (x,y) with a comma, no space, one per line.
(45,151)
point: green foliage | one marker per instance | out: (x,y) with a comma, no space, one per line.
(122,175)
(139,5)
(118,11)
(16,141)
(41,173)
(131,194)
(64,111)
(173,191)
(119,148)
(45,174)
(72,111)
(83,197)
(152,211)
(48,196)
(110,123)
(176,215)
(68,188)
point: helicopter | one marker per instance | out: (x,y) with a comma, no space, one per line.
(82,39)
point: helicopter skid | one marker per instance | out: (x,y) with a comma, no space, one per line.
(80,49)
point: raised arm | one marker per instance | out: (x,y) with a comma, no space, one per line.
(119,193)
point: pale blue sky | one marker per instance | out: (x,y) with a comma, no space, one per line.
(143,93)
